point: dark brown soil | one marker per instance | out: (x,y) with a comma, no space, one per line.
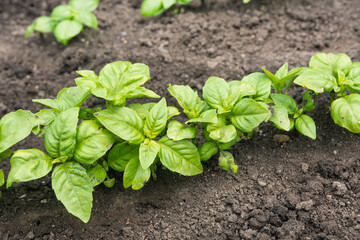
(303,190)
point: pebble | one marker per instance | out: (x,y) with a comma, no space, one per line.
(22,196)
(304,167)
(281,138)
(306,205)
(43,201)
(261,183)
(340,188)
(233,218)
(30,235)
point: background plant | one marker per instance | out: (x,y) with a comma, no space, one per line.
(66,21)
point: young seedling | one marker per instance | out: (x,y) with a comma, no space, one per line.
(284,105)
(337,74)
(66,21)
(155,7)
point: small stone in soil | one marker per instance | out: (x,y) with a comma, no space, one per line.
(281,139)
(340,188)
(261,183)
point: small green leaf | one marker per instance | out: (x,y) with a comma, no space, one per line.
(27,165)
(92,142)
(2,179)
(183,2)
(317,81)
(155,122)
(331,63)
(140,109)
(226,161)
(109,182)
(123,122)
(308,101)
(5,154)
(140,92)
(73,188)
(216,92)
(261,83)
(62,12)
(280,118)
(14,127)
(180,156)
(172,111)
(345,112)
(220,131)
(85,5)
(306,125)
(177,131)
(168,3)
(97,174)
(60,136)
(248,114)
(207,150)
(283,71)
(285,101)
(354,76)
(209,116)
(151,8)
(134,175)
(242,88)
(29,30)
(86,18)
(121,154)
(147,152)
(45,24)
(66,30)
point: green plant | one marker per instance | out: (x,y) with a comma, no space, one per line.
(284,105)
(337,74)
(66,21)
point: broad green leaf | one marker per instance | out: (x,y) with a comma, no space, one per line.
(147,152)
(62,12)
(140,109)
(66,30)
(85,5)
(207,150)
(248,114)
(2,179)
(172,111)
(177,131)
(92,142)
(331,63)
(308,101)
(121,154)
(306,125)
(168,3)
(45,24)
(60,136)
(261,83)
(226,161)
(354,76)
(45,117)
(180,156)
(123,122)
(283,71)
(29,30)
(285,101)
(216,92)
(242,88)
(317,81)
(14,127)
(139,92)
(220,131)
(151,8)
(188,99)
(73,188)
(134,175)
(5,154)
(97,174)
(90,81)
(209,116)
(345,112)
(27,165)
(280,118)
(86,18)
(155,122)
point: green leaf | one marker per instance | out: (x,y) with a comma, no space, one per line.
(226,161)
(220,131)
(66,30)
(308,101)
(285,101)
(280,118)
(139,92)
(29,30)
(140,109)
(242,88)
(89,81)
(317,81)
(45,24)
(123,122)
(97,174)
(27,165)
(188,99)
(283,71)
(147,152)
(151,8)
(177,131)
(207,150)
(2,179)
(86,18)
(134,175)
(354,76)
(209,116)
(216,93)
(60,136)
(172,111)
(14,127)
(5,154)
(345,112)
(168,3)
(248,114)
(121,154)
(331,63)
(180,156)
(228,145)
(45,117)
(109,182)
(261,83)
(62,12)
(306,125)
(73,188)
(92,142)
(85,5)
(183,2)
(155,122)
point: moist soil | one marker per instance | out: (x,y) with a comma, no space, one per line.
(297,189)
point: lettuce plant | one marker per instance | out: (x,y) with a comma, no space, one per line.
(66,21)
(337,74)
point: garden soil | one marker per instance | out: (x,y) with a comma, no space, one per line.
(285,188)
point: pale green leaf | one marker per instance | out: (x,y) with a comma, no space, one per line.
(97,174)
(220,131)
(243,89)
(226,161)
(86,18)
(177,131)
(66,30)
(134,175)
(331,63)
(280,118)
(147,152)
(2,179)
(217,94)
(317,81)
(285,101)
(62,12)
(45,24)
(151,8)
(261,83)
(168,3)
(207,150)
(155,122)
(121,154)
(345,112)
(85,5)
(306,125)
(209,116)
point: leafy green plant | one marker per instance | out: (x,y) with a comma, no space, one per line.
(286,113)
(66,21)
(337,74)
